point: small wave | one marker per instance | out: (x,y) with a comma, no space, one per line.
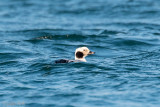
(128,42)
(109,32)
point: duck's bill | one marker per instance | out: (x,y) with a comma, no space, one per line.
(90,53)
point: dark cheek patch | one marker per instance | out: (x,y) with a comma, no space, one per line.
(79,54)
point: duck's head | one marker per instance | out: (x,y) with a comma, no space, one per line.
(81,53)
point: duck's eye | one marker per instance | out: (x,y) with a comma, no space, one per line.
(84,50)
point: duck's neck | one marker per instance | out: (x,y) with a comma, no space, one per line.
(80,59)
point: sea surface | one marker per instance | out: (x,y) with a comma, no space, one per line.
(124,72)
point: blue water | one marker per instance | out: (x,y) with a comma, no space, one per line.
(124,72)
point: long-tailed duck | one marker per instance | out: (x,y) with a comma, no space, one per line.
(80,55)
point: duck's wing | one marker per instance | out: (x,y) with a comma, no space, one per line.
(63,61)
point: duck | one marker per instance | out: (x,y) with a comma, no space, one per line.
(80,54)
